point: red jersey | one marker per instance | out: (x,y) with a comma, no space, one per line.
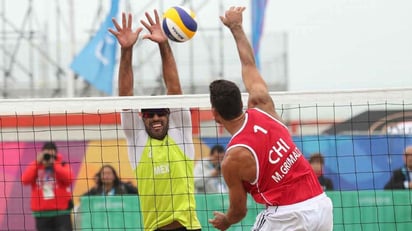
(59,181)
(283,175)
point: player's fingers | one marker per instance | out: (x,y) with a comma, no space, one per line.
(138,30)
(145,24)
(147,36)
(115,33)
(157,17)
(222,19)
(212,221)
(129,21)
(124,20)
(149,18)
(116,24)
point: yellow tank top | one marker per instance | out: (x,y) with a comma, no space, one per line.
(167,189)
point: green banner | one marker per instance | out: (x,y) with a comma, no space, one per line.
(353,210)
(372,210)
(113,213)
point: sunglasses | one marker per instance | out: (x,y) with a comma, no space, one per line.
(150,114)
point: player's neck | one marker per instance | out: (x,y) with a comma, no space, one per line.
(232,126)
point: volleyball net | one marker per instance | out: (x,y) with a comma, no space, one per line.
(361,135)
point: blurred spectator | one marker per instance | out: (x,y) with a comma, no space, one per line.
(401,177)
(50,179)
(109,183)
(96,183)
(317,162)
(208,177)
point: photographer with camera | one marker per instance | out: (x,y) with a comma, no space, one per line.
(50,179)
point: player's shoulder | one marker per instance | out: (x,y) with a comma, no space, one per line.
(266,112)
(237,152)
(238,157)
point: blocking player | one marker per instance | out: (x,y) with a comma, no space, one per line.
(161,149)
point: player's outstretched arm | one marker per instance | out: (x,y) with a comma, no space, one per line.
(169,68)
(255,85)
(127,39)
(235,159)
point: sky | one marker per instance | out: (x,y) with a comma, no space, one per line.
(346,44)
(331,44)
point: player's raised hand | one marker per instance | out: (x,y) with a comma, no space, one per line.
(124,34)
(233,17)
(154,27)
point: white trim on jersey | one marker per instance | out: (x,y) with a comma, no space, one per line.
(255,182)
(241,128)
(270,116)
(254,156)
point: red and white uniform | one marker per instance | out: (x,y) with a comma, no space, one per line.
(283,175)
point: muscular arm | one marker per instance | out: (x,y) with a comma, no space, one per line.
(237,158)
(125,72)
(127,39)
(255,85)
(169,69)
(233,178)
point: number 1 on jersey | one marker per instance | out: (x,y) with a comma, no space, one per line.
(257,128)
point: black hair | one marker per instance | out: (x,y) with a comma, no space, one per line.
(226,98)
(217,148)
(317,157)
(49,145)
(116,181)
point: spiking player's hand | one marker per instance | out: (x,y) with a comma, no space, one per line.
(233,17)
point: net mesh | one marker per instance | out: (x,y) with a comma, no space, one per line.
(361,134)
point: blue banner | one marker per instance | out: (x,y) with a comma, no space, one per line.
(358,162)
(96,62)
(258,16)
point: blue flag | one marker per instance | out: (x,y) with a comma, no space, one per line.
(258,16)
(96,62)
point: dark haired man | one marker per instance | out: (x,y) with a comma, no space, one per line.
(261,158)
(208,176)
(161,149)
(317,161)
(51,200)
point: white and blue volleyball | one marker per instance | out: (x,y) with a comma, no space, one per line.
(179,24)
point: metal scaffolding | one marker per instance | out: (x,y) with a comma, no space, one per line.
(39,40)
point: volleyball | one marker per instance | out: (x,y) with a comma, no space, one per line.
(179,24)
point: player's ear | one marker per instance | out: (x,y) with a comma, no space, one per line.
(216,115)
(214,112)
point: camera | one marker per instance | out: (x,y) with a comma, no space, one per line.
(47,156)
